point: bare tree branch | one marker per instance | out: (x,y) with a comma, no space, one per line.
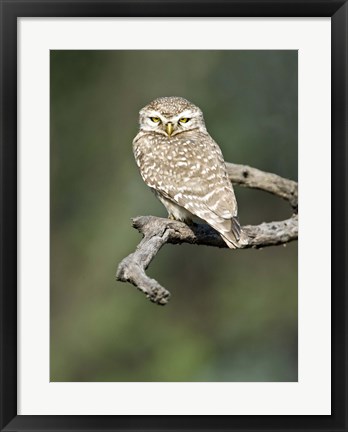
(247,176)
(158,231)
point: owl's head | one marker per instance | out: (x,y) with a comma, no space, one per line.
(170,116)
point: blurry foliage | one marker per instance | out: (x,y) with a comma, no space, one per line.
(233,315)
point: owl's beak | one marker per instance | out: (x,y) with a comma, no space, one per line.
(169,128)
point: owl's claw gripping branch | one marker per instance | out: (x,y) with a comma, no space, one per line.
(159,231)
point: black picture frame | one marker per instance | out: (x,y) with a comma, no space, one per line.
(10,11)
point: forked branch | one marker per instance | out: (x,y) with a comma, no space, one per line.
(159,231)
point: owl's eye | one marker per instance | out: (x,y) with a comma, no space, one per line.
(184,120)
(155,119)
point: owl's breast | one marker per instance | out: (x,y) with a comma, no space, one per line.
(159,149)
(164,161)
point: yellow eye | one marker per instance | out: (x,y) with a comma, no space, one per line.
(184,120)
(155,119)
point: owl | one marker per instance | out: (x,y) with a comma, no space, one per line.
(184,166)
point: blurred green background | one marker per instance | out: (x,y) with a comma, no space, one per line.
(232,315)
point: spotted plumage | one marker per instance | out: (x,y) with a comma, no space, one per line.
(184,166)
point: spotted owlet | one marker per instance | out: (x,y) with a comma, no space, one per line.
(184,166)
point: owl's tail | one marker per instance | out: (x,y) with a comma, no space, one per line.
(235,237)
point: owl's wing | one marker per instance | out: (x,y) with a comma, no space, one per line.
(201,186)
(216,204)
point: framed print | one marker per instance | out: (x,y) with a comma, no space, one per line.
(138,139)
